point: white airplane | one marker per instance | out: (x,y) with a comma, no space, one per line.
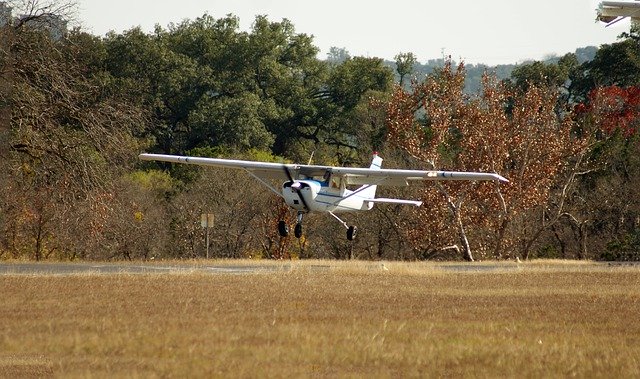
(310,188)
(610,12)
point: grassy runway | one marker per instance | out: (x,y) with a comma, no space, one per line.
(349,319)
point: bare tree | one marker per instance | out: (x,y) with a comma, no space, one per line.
(67,142)
(43,13)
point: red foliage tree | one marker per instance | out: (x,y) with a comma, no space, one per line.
(613,109)
(611,118)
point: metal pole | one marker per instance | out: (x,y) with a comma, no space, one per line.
(206,220)
(207,239)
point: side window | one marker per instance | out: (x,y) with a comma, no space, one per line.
(326,179)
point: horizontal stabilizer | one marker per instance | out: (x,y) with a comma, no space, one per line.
(394,201)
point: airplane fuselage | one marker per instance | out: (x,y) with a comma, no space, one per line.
(319,197)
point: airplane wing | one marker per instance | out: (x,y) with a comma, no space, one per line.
(265,170)
(351,176)
(383,200)
(396,177)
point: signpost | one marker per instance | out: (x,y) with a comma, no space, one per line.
(206,221)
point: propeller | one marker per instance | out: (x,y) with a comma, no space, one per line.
(297,186)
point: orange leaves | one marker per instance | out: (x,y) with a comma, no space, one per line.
(538,143)
(419,121)
(517,134)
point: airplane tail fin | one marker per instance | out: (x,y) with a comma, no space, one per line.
(369,191)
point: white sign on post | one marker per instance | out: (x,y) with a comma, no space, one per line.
(206,220)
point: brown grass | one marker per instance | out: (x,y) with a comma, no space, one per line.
(347,320)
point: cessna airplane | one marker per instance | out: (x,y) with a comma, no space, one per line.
(310,188)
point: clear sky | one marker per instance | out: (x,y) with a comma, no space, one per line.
(490,31)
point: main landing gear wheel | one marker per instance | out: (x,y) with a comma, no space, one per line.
(351,233)
(351,230)
(283,228)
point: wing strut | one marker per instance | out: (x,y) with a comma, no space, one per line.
(256,177)
(340,220)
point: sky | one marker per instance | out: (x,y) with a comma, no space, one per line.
(490,31)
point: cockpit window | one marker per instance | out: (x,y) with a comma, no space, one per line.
(331,181)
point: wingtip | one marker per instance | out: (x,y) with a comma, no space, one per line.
(145,157)
(503,179)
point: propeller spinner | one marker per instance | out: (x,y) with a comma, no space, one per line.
(296,186)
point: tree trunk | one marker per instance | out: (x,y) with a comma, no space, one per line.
(462,235)
(39,227)
(582,229)
(6,82)
(580,233)
(500,238)
(454,208)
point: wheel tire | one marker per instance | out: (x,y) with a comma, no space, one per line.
(351,233)
(298,230)
(283,228)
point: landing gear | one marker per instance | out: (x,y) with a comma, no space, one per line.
(298,230)
(351,233)
(283,228)
(351,230)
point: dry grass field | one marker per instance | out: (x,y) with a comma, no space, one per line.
(346,320)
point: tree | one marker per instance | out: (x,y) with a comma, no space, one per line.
(210,85)
(605,199)
(68,140)
(246,216)
(155,78)
(232,122)
(516,134)
(288,79)
(439,101)
(6,79)
(335,117)
(337,55)
(43,14)
(614,64)
(133,220)
(351,86)
(404,65)
(199,76)
(559,75)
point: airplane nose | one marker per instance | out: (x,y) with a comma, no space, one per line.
(296,185)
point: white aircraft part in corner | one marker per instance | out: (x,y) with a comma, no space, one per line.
(610,12)
(311,188)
